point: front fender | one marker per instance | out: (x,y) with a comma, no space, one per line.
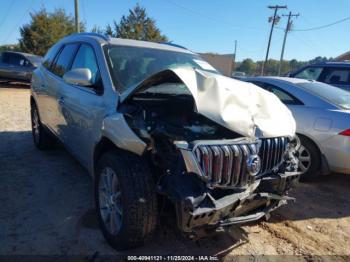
(116,129)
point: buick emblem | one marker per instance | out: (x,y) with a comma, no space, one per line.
(253,165)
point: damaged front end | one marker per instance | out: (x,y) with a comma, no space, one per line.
(244,181)
(216,167)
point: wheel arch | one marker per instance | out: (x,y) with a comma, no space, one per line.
(104,145)
(316,146)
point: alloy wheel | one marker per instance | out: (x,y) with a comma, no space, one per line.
(304,159)
(110,206)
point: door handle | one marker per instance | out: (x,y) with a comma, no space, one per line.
(61,101)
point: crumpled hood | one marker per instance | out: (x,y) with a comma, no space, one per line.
(239,106)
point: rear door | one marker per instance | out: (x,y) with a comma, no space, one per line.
(336,76)
(82,107)
(5,67)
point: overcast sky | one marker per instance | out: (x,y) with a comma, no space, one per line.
(210,26)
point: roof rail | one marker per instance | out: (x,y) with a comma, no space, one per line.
(172,44)
(104,37)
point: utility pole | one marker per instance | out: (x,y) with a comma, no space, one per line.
(76,9)
(274,20)
(288,28)
(235,55)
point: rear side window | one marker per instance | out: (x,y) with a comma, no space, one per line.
(14,59)
(64,59)
(86,58)
(284,96)
(50,56)
(336,76)
(310,73)
(5,57)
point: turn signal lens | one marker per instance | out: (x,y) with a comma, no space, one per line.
(345,132)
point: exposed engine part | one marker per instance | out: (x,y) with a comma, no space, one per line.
(214,177)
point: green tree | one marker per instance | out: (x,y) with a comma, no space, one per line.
(45,29)
(14,47)
(248,66)
(138,25)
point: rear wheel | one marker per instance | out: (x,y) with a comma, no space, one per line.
(42,139)
(125,199)
(309,159)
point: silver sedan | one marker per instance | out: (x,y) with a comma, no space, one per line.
(322,113)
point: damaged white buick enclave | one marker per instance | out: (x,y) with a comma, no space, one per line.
(155,124)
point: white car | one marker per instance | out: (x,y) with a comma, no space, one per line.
(322,113)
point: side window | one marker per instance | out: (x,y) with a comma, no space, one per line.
(310,73)
(285,97)
(5,57)
(50,56)
(16,60)
(64,59)
(86,58)
(336,76)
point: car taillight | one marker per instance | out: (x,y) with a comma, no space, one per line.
(345,132)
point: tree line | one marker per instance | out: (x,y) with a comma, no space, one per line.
(252,68)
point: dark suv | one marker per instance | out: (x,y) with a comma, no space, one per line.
(333,73)
(18,66)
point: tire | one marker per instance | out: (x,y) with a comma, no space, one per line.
(308,150)
(134,204)
(42,139)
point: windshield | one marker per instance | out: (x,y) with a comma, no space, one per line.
(131,65)
(332,94)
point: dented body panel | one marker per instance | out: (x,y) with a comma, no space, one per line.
(242,107)
(116,129)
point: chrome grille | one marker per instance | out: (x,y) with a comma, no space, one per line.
(271,152)
(226,164)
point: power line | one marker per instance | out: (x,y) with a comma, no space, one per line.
(20,21)
(221,22)
(7,13)
(83,7)
(317,27)
(323,26)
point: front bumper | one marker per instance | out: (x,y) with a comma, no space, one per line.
(255,202)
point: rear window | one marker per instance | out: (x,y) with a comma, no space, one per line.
(332,94)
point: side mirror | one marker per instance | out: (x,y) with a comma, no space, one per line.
(78,76)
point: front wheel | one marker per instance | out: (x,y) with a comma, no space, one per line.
(125,199)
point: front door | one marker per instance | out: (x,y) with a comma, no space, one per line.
(82,108)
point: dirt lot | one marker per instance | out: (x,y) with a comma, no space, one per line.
(47,207)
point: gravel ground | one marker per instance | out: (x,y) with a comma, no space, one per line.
(47,207)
